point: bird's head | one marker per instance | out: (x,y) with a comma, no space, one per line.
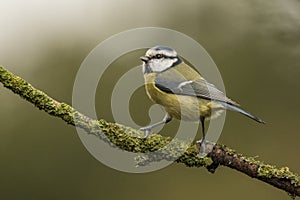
(159,58)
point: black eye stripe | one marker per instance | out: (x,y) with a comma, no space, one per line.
(171,56)
(158,56)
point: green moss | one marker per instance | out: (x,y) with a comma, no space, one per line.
(270,171)
(130,139)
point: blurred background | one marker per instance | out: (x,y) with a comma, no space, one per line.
(255,45)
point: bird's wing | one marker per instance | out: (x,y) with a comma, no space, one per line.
(199,87)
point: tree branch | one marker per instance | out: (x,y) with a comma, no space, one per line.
(125,138)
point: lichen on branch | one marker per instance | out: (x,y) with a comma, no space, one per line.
(125,138)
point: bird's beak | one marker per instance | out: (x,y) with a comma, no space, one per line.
(144,59)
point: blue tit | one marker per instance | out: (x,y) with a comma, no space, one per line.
(182,91)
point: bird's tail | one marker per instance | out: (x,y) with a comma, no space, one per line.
(237,109)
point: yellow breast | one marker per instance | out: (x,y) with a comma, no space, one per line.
(183,107)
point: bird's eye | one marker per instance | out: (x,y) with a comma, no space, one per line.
(159,56)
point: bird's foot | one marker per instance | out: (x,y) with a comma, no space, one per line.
(147,130)
(202,148)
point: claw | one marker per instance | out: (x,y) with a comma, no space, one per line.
(202,150)
(147,131)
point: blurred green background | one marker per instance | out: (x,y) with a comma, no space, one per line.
(255,45)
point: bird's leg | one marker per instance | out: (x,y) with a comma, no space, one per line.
(148,129)
(203,141)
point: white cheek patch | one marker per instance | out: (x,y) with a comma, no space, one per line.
(162,64)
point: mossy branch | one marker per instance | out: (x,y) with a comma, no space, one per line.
(124,138)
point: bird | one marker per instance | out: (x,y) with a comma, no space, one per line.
(182,91)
